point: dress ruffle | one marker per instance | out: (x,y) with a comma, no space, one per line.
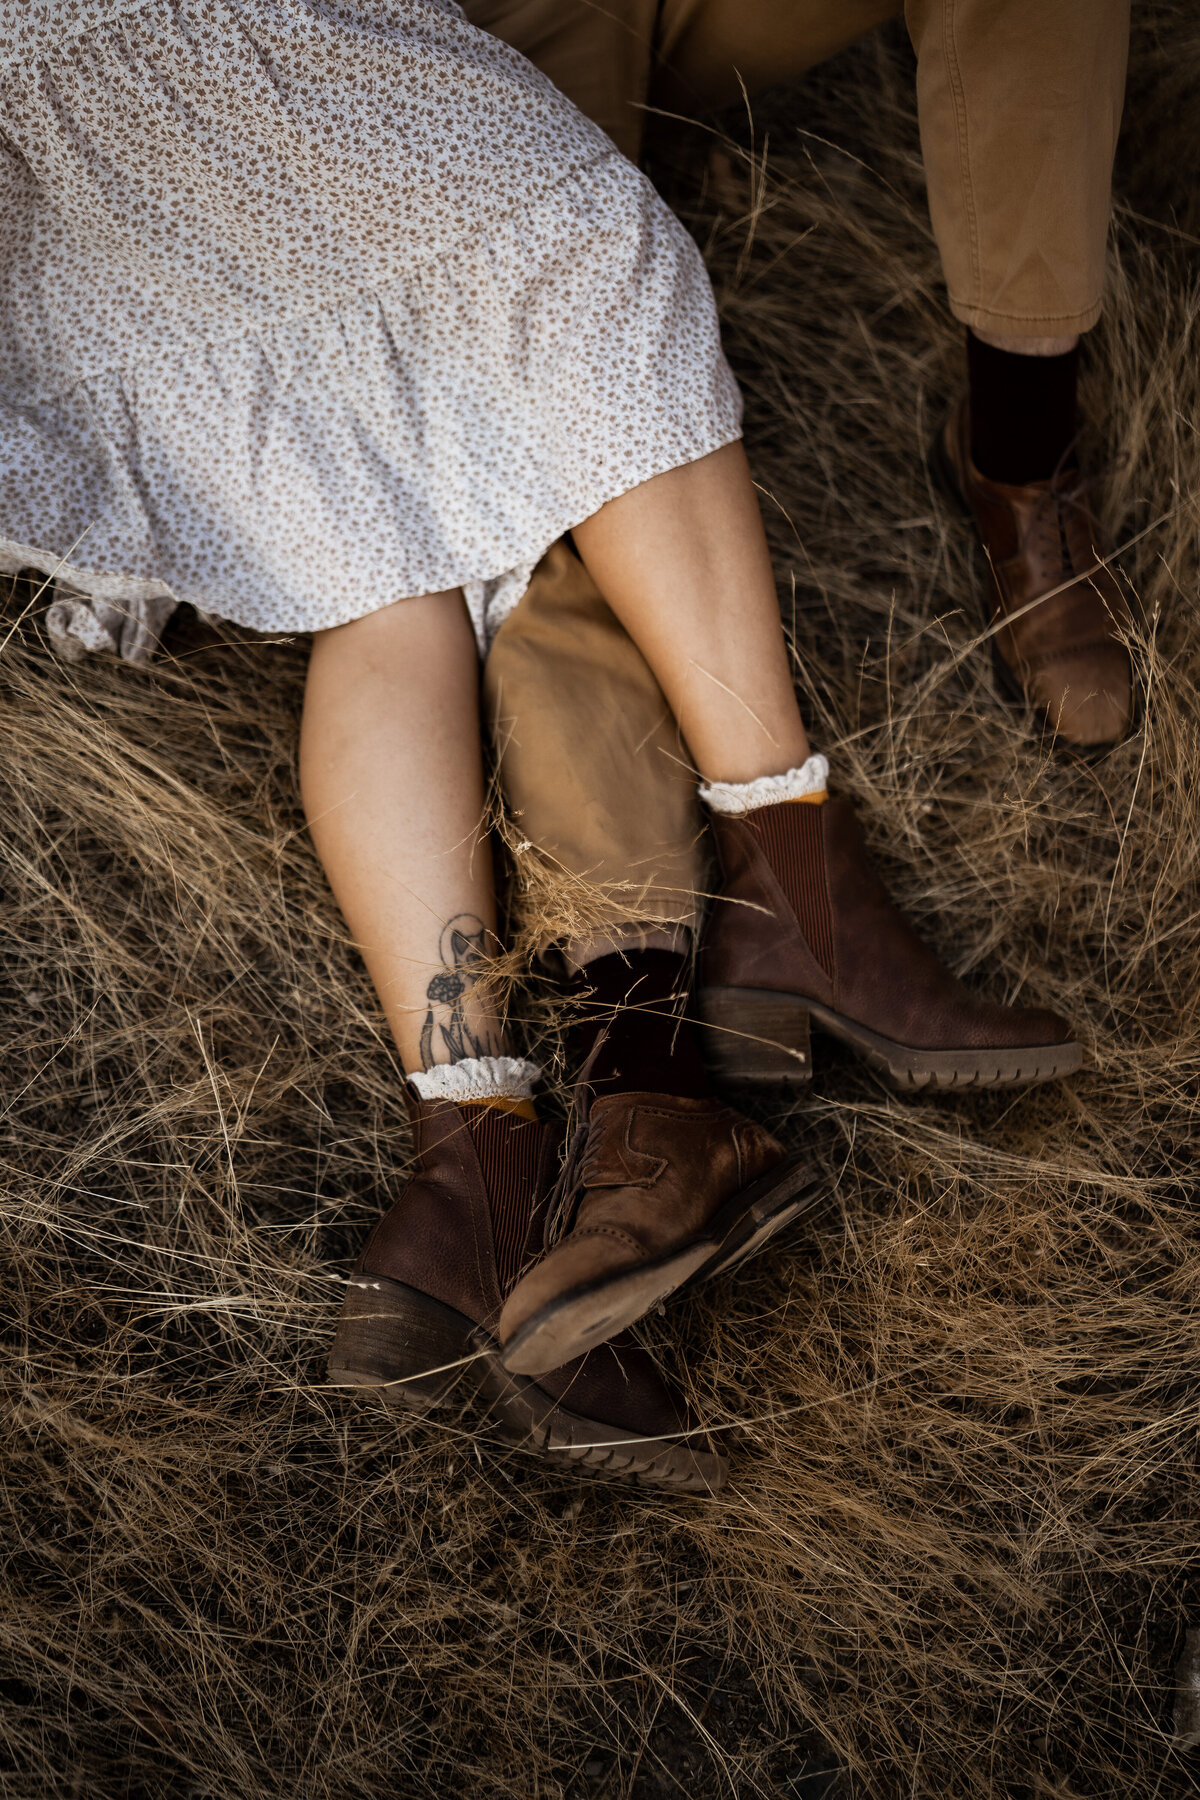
(291,452)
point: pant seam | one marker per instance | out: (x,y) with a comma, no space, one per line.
(962,133)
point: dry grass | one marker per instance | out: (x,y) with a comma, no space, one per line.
(956,1546)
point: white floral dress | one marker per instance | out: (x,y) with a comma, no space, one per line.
(309,305)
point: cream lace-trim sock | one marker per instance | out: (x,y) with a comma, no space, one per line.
(747,796)
(478,1078)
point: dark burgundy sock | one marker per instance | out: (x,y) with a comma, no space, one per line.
(635,1003)
(1023,412)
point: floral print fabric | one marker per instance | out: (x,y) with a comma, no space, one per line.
(307,306)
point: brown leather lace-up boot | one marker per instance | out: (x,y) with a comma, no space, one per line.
(422,1304)
(802,929)
(658,1191)
(1065,656)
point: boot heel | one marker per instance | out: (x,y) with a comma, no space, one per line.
(401,1341)
(755,1036)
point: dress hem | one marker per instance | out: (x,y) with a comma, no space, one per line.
(130,595)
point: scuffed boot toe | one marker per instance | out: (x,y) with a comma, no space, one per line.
(658,1189)
(1094,709)
(589,1287)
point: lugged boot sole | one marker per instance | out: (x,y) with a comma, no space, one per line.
(774,1024)
(416,1353)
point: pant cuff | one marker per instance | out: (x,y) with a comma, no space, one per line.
(1026,324)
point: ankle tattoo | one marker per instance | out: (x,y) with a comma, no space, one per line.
(447,1033)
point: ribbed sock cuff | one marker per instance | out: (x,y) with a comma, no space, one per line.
(478,1078)
(747,796)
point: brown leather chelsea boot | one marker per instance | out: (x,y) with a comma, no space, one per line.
(803,931)
(658,1191)
(1063,656)
(421,1308)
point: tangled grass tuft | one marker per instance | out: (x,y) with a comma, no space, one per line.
(953,1559)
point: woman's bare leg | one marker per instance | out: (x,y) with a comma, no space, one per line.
(391,771)
(391,764)
(683,562)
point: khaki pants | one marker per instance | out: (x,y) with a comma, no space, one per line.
(1019,104)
